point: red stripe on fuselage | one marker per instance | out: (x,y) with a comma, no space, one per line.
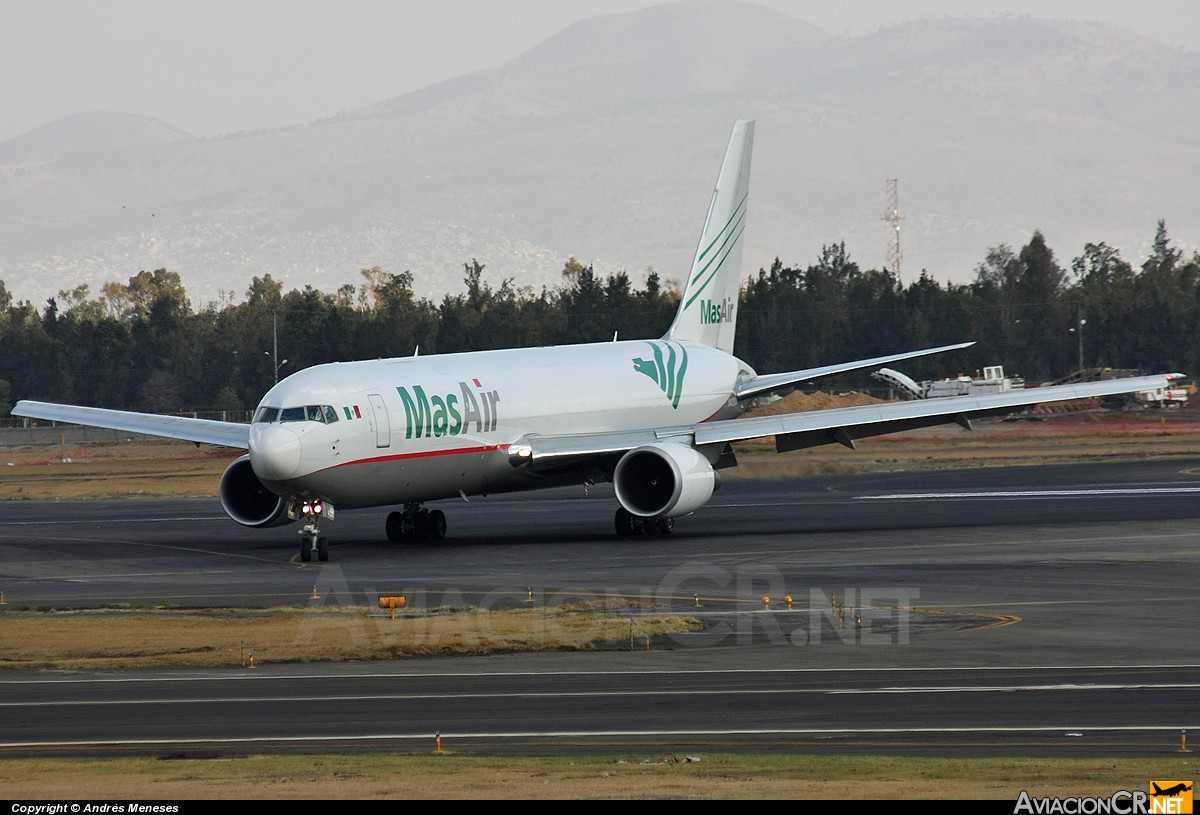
(423,454)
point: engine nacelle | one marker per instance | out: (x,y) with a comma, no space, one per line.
(247,501)
(663,480)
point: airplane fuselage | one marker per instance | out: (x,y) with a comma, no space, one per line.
(391,431)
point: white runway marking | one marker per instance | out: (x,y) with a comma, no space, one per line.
(122,521)
(1127,491)
(221,676)
(619,694)
(606,734)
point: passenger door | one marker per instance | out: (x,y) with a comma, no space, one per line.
(383,427)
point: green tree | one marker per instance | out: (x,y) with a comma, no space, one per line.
(396,321)
(228,400)
(1046,318)
(146,291)
(1165,298)
(1104,291)
(584,307)
(571,270)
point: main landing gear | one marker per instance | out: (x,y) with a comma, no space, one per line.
(415,522)
(311,541)
(629,524)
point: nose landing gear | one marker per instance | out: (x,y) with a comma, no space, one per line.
(311,541)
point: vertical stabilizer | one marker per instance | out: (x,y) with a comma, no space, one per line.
(708,311)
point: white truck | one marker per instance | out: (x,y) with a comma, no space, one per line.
(1172,395)
(992,381)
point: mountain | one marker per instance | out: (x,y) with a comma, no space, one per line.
(603,142)
(89,133)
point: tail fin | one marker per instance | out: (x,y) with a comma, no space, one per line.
(708,311)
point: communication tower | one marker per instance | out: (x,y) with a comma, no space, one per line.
(892,217)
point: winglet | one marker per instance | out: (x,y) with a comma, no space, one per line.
(708,311)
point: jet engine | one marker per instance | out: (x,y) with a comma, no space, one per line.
(247,501)
(663,480)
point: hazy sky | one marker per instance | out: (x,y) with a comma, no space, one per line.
(220,66)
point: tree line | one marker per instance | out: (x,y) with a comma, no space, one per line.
(140,345)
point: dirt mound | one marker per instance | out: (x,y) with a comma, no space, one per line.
(798,401)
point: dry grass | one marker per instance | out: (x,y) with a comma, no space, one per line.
(220,638)
(112,470)
(958,449)
(458,776)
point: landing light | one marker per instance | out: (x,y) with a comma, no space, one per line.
(312,507)
(520,453)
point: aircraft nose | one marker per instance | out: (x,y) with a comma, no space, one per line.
(274,452)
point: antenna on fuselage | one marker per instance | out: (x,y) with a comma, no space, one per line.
(614,336)
(417,351)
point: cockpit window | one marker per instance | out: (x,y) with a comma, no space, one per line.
(324,414)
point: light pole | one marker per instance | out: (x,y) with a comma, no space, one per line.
(274,352)
(1079,331)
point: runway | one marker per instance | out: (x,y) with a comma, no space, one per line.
(1041,610)
(648,707)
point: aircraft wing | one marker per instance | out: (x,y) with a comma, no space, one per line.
(771,382)
(793,431)
(202,431)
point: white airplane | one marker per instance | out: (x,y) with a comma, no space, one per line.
(654,417)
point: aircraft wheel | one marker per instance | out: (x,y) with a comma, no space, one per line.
(305,550)
(394,526)
(624,522)
(422,526)
(437,524)
(322,549)
(664,526)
